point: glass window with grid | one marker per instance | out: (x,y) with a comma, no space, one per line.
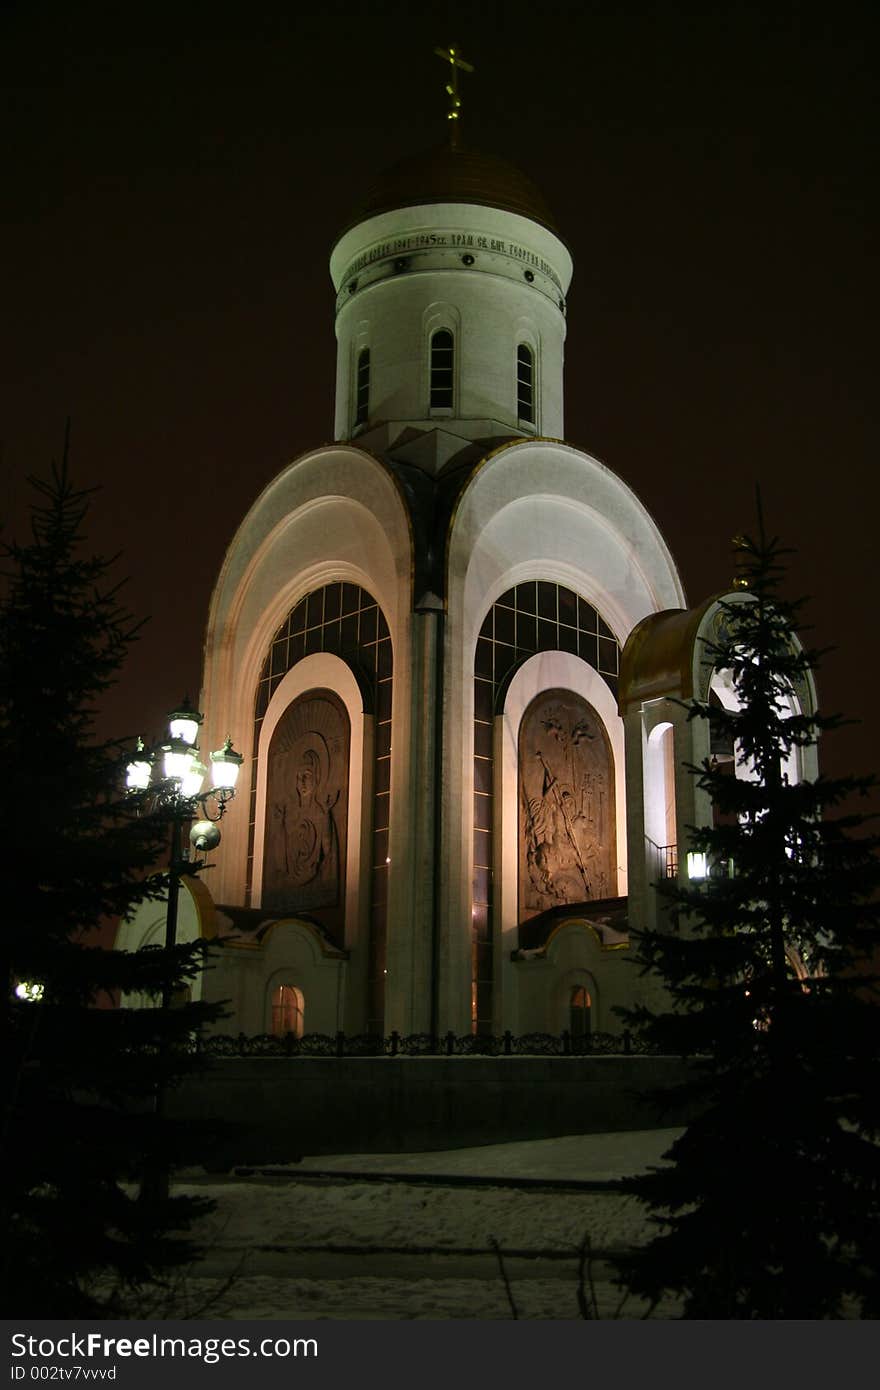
(442,364)
(362,401)
(525,384)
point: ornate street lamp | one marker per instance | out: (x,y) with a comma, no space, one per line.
(167,780)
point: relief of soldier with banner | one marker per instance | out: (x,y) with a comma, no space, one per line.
(567,839)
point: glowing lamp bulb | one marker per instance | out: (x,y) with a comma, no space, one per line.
(176,758)
(184,723)
(193,777)
(225,766)
(697,865)
(33,993)
(137,773)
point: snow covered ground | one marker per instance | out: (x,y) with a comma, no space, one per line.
(316,1241)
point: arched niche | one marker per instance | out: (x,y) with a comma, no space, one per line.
(566,797)
(659,792)
(306,810)
(323,672)
(285,1009)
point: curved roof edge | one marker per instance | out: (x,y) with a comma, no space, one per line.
(529,441)
(657,659)
(278,481)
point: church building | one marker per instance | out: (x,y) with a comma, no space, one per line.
(453,648)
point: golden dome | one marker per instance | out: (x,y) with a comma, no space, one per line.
(446,175)
(657,659)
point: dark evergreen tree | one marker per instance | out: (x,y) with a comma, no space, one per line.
(80,1081)
(770,1205)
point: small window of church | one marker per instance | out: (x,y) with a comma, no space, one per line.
(525,384)
(288,1011)
(362,398)
(442,354)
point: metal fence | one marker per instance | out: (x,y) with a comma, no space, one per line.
(664,859)
(423,1045)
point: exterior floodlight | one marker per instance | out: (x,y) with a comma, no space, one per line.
(33,993)
(193,777)
(225,764)
(139,770)
(184,722)
(697,866)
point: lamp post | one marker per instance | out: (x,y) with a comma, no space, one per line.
(167,781)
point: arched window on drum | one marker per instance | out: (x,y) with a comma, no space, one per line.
(525,384)
(362,393)
(442,369)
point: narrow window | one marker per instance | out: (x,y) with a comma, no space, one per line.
(441,370)
(580,1006)
(288,1008)
(525,384)
(362,399)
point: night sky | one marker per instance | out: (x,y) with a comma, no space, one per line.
(174,179)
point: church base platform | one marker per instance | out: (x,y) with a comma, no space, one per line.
(275,1110)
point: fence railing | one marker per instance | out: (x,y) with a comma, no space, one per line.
(665,859)
(422,1045)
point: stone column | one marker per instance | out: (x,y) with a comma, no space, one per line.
(412,919)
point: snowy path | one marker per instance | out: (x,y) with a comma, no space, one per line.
(295,1246)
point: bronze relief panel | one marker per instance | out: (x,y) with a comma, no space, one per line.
(307,807)
(567,822)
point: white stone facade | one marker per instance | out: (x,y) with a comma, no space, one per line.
(432,513)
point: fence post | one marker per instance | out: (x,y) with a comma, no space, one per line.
(340,1043)
(450,1043)
(241,1044)
(508,1042)
(395,1040)
(566,1043)
(627,1041)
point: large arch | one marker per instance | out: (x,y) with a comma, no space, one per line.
(543,672)
(336,515)
(356,671)
(532,510)
(316,672)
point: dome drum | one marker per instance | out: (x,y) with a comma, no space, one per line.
(466,252)
(493,280)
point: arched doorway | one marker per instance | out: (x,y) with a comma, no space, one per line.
(580,1007)
(288,1011)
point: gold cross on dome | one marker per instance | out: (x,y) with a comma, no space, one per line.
(452,56)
